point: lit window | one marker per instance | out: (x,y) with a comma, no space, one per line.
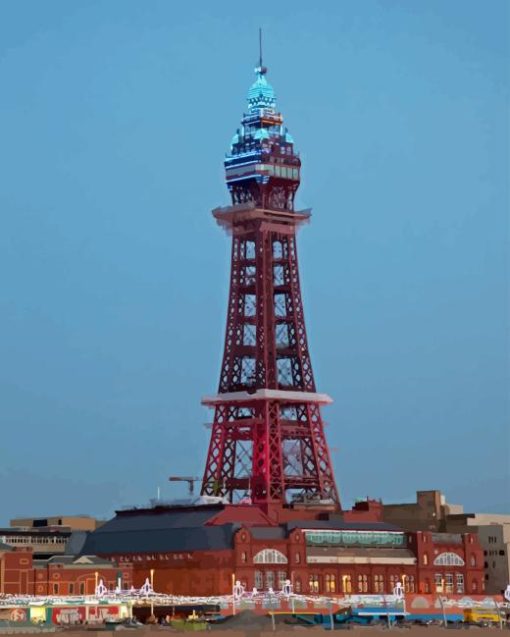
(347,583)
(378,584)
(438,581)
(409,585)
(449,583)
(362,584)
(259,580)
(460,582)
(330,581)
(313,584)
(425,559)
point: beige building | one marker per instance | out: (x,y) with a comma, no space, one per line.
(431,512)
(70,522)
(494,533)
(428,513)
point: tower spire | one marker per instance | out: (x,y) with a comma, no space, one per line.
(261,69)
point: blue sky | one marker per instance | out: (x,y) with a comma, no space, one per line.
(114,120)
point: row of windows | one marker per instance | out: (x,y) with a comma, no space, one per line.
(71,590)
(30,539)
(362,584)
(494,552)
(449,583)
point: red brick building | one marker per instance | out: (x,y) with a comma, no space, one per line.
(20,573)
(196,550)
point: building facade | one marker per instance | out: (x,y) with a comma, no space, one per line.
(432,512)
(21,574)
(196,550)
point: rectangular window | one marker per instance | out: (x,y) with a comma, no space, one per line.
(449,582)
(330,583)
(259,580)
(313,583)
(378,584)
(55,589)
(362,583)
(82,588)
(438,581)
(347,583)
(71,589)
(460,582)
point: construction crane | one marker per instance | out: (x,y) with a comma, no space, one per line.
(189,479)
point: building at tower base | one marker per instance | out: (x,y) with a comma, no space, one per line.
(196,550)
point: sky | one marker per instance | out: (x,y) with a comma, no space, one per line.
(114,121)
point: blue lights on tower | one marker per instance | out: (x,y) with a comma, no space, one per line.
(262,167)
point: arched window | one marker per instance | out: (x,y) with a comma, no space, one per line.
(448,559)
(270,556)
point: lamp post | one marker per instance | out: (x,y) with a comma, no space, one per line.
(152,591)
(96,579)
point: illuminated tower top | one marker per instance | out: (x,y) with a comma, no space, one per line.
(262,166)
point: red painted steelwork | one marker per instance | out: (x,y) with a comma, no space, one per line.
(268,447)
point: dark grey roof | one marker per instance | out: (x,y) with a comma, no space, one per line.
(5,547)
(342,526)
(268,532)
(148,540)
(159,518)
(75,543)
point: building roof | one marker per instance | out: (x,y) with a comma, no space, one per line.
(268,532)
(340,525)
(166,528)
(198,538)
(76,542)
(5,547)
(85,561)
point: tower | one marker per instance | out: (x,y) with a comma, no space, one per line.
(267,439)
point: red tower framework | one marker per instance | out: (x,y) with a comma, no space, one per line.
(267,441)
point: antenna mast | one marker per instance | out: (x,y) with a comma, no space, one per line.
(261,68)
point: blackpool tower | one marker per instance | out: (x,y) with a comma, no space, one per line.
(267,440)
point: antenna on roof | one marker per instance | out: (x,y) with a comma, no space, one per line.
(261,69)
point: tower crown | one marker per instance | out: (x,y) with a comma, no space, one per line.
(262,166)
(261,93)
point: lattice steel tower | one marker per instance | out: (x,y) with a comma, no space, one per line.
(267,441)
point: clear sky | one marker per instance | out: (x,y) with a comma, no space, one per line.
(114,120)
